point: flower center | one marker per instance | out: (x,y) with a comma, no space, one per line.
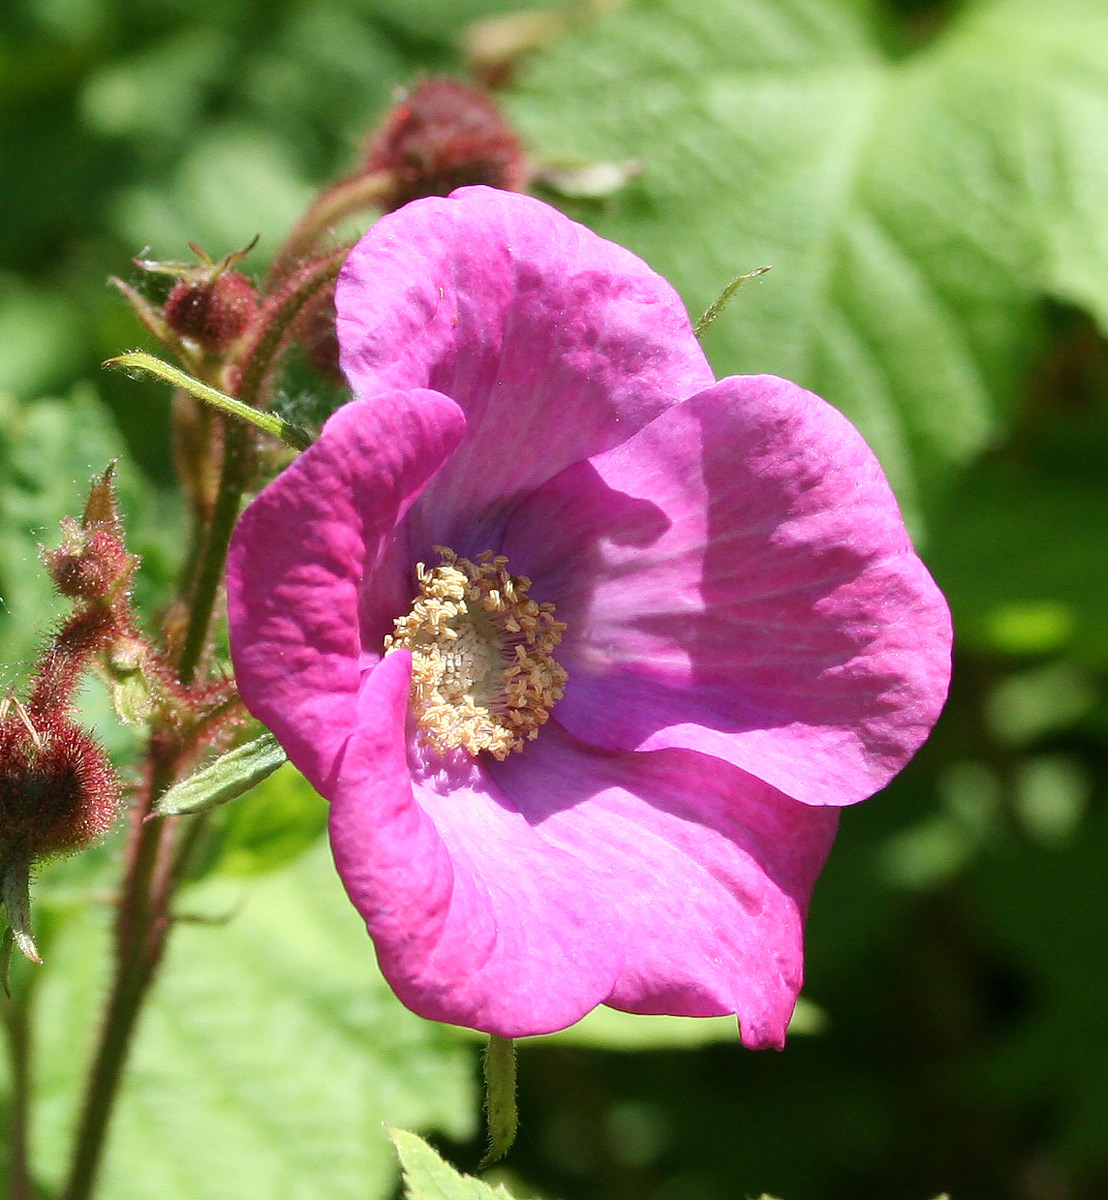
(483,669)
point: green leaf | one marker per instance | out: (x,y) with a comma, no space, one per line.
(269,1056)
(913,209)
(230,776)
(428,1177)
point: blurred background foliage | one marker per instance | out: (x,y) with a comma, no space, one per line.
(930,184)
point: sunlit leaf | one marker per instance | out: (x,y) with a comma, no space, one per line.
(270,1055)
(913,209)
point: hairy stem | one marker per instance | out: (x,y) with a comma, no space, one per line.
(238,457)
(142,926)
(154,864)
(259,362)
(17,1023)
(344,199)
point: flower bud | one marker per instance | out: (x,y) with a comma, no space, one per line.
(212,310)
(443,135)
(58,791)
(92,563)
(89,565)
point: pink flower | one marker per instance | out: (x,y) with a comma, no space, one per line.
(634,814)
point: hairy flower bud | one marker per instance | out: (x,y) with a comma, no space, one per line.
(89,565)
(92,562)
(58,791)
(212,311)
(58,794)
(443,135)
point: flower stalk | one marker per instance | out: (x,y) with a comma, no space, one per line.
(501,1114)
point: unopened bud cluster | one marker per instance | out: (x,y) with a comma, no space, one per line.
(58,790)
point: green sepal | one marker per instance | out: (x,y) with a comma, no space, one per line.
(124,670)
(15,900)
(720,302)
(229,777)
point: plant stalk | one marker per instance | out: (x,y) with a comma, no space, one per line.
(17,1023)
(142,926)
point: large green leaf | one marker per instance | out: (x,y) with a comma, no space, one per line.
(913,208)
(269,1057)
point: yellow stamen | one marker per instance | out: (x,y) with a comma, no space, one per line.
(483,669)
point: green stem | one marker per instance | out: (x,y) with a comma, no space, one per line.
(238,458)
(17,1023)
(500,1098)
(142,925)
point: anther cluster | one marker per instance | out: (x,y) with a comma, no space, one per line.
(483,670)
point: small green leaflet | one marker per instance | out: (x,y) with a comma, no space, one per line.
(229,777)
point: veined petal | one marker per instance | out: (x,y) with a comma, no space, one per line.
(737,580)
(514,897)
(556,343)
(303,554)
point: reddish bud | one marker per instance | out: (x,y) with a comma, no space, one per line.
(89,565)
(214,311)
(92,562)
(444,135)
(58,791)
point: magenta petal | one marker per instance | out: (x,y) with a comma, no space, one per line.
(300,558)
(737,580)
(513,898)
(556,343)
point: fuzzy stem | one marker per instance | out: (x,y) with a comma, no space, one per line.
(17,1023)
(238,459)
(500,1098)
(238,447)
(344,199)
(152,868)
(260,357)
(142,925)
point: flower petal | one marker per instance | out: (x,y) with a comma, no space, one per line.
(299,560)
(556,343)
(737,580)
(514,897)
